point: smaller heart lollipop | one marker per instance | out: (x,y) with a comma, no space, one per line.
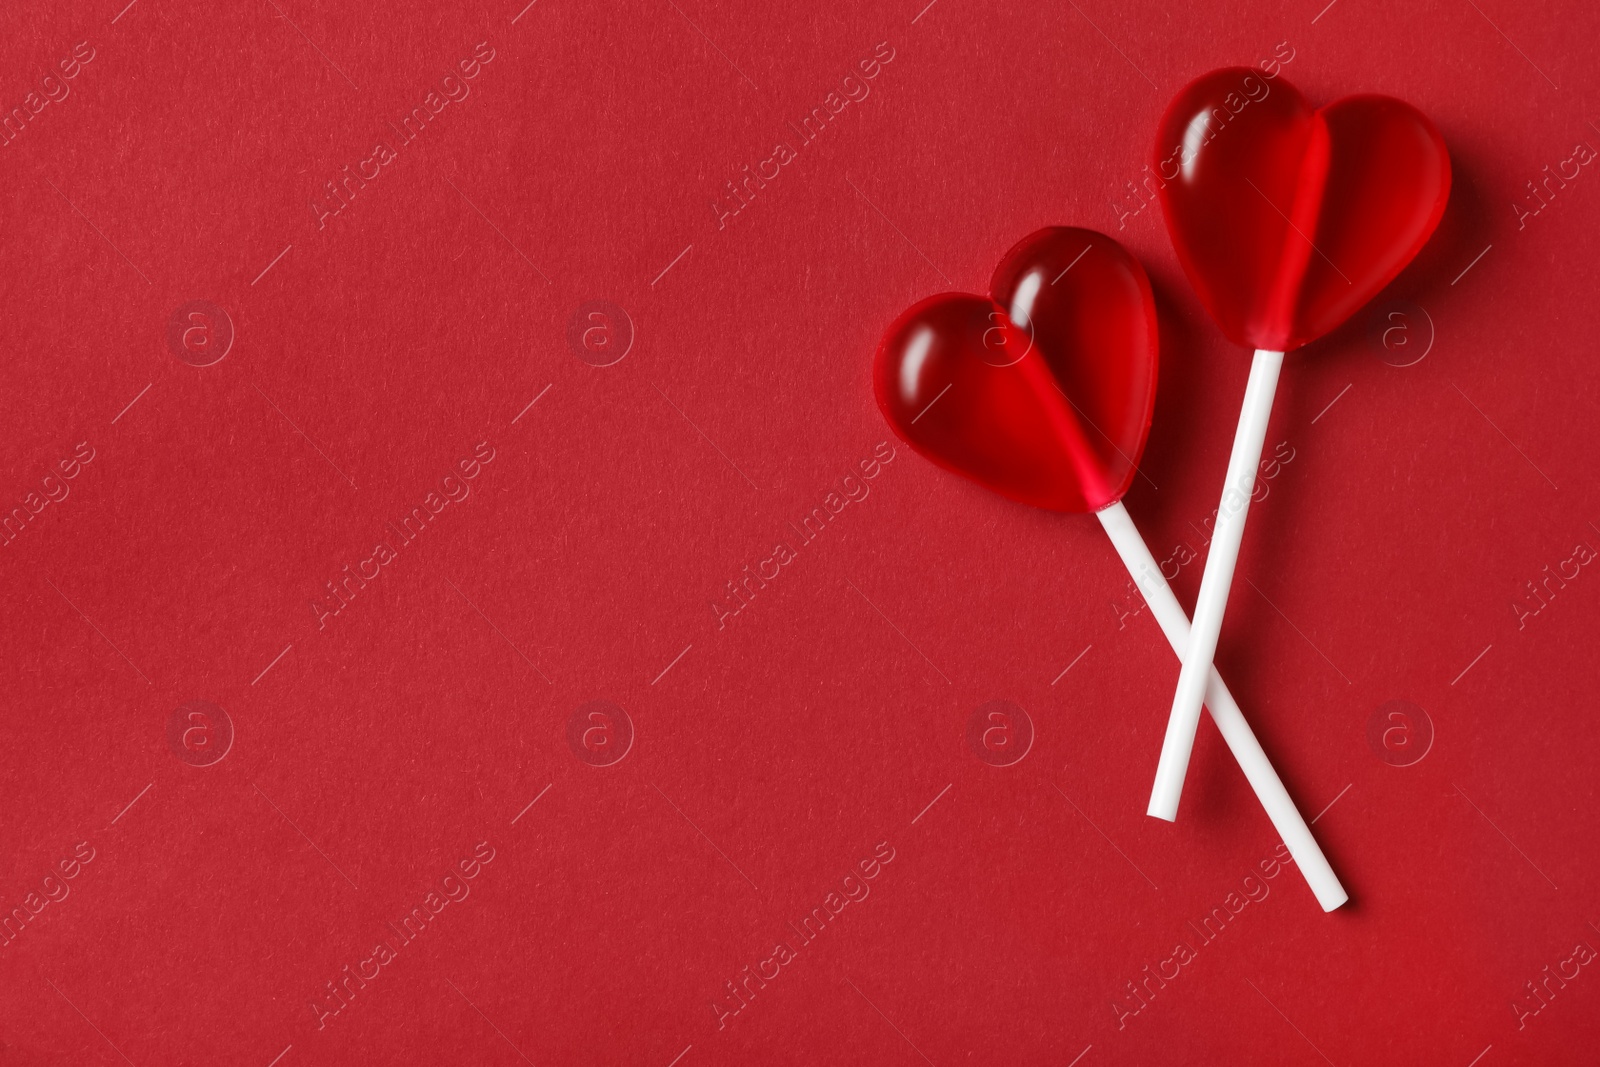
(1043,393)
(1286,219)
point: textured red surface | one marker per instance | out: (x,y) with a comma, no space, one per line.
(808,740)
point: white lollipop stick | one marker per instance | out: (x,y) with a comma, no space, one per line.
(1225,712)
(1214,584)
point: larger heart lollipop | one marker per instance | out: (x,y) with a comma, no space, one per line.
(1043,392)
(1286,219)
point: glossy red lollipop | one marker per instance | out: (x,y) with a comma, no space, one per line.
(1043,392)
(1286,219)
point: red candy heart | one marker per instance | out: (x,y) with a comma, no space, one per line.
(1287,218)
(1042,393)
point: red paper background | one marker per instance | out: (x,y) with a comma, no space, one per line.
(370,756)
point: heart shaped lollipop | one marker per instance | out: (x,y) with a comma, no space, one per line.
(1043,392)
(1286,220)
